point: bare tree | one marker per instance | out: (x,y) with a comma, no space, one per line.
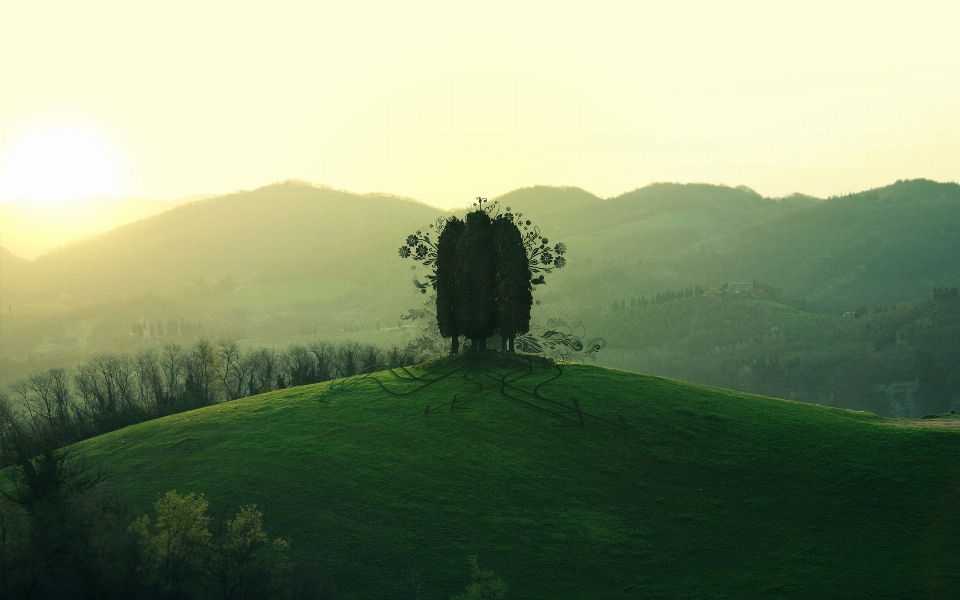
(201,374)
(48,404)
(149,379)
(325,355)
(173,365)
(262,366)
(232,369)
(347,356)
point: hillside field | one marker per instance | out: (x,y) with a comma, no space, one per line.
(705,493)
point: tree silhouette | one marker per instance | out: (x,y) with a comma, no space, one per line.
(448,259)
(483,273)
(476,303)
(514,295)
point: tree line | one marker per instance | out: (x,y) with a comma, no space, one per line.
(58,406)
(693,291)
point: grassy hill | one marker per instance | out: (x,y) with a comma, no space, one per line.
(705,494)
(279,232)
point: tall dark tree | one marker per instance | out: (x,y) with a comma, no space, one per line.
(482,273)
(476,291)
(514,295)
(448,258)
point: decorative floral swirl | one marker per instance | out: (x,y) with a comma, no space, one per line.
(541,258)
(560,340)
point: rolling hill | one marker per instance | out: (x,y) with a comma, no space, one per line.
(280,232)
(292,262)
(30,228)
(571,481)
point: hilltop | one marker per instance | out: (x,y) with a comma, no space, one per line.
(704,493)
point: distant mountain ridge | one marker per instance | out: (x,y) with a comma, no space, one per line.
(879,246)
(30,228)
(267,233)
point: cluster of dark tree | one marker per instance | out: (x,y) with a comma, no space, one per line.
(111,391)
(694,291)
(64,536)
(483,274)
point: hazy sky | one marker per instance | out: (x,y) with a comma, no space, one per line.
(444,101)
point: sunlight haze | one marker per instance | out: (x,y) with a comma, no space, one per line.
(444,101)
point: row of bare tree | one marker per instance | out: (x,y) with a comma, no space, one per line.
(59,406)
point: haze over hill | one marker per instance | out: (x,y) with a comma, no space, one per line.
(28,228)
(293,260)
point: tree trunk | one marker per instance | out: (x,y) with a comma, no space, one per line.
(455,344)
(512,338)
(503,343)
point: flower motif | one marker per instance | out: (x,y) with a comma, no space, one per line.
(546,258)
(559,262)
(412,240)
(560,248)
(421,251)
(404,252)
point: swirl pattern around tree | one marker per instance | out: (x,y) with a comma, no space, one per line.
(482,273)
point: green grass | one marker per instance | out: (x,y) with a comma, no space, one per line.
(708,494)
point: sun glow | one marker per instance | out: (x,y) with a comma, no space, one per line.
(59,165)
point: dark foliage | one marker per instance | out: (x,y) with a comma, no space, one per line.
(448,258)
(483,273)
(514,295)
(476,301)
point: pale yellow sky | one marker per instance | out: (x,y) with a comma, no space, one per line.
(445,101)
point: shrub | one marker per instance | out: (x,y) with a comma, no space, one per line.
(484,585)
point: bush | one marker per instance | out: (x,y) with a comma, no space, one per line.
(484,585)
(180,554)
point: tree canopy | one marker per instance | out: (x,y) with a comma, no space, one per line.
(483,270)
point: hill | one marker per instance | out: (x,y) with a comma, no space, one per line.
(705,494)
(901,361)
(10,265)
(876,247)
(31,228)
(280,232)
(293,262)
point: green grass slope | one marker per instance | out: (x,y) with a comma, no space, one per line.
(706,494)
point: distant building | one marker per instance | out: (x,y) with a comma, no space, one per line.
(737,287)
